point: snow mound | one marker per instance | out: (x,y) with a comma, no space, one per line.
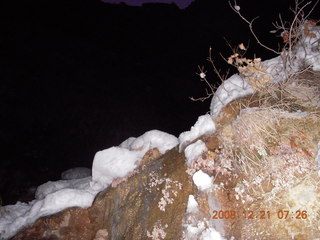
(117,162)
(51,198)
(151,139)
(231,89)
(114,162)
(76,173)
(204,125)
(54,186)
(202,180)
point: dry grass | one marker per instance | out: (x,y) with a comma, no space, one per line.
(272,155)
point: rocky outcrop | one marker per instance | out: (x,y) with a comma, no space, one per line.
(151,199)
(263,160)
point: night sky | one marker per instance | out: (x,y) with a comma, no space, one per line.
(86,75)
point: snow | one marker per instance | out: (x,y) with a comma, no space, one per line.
(51,198)
(52,187)
(204,125)
(151,139)
(305,53)
(194,150)
(117,162)
(211,234)
(112,163)
(195,230)
(308,49)
(76,173)
(192,205)
(231,89)
(202,180)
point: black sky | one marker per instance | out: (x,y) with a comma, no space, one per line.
(86,75)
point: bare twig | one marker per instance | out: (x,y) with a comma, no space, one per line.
(250,24)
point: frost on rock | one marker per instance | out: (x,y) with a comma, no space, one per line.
(204,125)
(231,89)
(158,232)
(194,150)
(169,191)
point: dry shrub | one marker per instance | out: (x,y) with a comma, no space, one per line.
(301,92)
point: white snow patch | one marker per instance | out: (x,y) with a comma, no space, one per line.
(192,205)
(117,162)
(308,49)
(151,139)
(114,162)
(194,150)
(231,89)
(76,173)
(193,231)
(211,234)
(127,143)
(54,186)
(51,198)
(202,180)
(204,125)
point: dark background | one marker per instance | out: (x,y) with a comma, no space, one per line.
(86,75)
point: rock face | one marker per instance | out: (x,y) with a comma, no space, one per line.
(152,199)
(264,162)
